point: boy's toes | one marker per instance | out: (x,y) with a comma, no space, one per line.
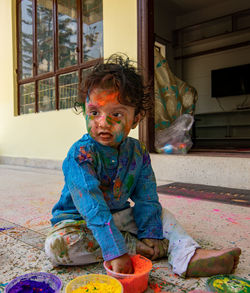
(236,254)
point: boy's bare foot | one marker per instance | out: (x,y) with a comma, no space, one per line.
(205,262)
(144,250)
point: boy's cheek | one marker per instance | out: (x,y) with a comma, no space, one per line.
(89,123)
(113,121)
(119,137)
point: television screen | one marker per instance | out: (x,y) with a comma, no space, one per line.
(231,81)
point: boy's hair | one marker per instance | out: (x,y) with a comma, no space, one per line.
(118,74)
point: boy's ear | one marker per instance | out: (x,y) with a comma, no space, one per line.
(137,119)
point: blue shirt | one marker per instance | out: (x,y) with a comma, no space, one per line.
(99,180)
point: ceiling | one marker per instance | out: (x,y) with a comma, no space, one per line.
(181,7)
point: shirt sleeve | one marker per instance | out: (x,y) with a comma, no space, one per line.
(83,185)
(147,209)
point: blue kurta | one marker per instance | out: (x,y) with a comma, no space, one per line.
(99,180)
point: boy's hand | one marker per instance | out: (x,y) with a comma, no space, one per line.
(122,264)
(160,247)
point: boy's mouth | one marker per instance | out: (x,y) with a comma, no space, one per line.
(105,135)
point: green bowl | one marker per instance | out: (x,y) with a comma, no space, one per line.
(228,284)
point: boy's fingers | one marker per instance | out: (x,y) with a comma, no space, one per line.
(160,247)
(165,244)
(116,268)
(130,271)
(157,249)
(148,242)
(156,252)
(162,250)
(144,249)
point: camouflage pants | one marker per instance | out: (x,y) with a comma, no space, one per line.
(70,242)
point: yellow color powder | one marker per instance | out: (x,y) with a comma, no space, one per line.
(95,287)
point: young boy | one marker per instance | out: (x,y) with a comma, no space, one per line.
(104,171)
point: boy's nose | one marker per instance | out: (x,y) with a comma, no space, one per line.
(103,121)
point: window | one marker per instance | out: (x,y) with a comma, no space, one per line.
(57,43)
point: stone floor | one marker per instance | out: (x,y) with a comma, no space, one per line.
(28,194)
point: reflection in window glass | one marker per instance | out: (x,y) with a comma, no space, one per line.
(86,72)
(45,52)
(46,95)
(68,90)
(27,98)
(67,33)
(47,74)
(25,40)
(92,29)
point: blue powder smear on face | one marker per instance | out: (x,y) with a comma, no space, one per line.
(29,286)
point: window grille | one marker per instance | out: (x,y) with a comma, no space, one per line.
(58,41)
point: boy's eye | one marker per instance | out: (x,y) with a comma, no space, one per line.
(93,113)
(117,115)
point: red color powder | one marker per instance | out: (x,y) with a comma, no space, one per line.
(140,264)
(155,287)
(138,281)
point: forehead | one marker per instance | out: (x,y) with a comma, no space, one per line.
(103,97)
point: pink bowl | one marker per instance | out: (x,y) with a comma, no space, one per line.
(136,282)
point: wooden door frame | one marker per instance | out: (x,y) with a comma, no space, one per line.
(145,57)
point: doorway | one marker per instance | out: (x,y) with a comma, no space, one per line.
(206,137)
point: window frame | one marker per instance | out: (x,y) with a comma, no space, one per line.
(79,67)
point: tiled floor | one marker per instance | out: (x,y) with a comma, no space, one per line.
(28,194)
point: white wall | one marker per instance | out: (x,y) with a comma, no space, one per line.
(197,72)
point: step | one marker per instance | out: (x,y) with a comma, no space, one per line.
(218,170)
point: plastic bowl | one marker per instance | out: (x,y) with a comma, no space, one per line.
(95,279)
(136,282)
(40,282)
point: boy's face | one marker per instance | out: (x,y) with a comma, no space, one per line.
(108,121)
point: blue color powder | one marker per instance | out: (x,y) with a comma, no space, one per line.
(29,286)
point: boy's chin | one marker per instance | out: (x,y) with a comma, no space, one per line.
(107,143)
(111,142)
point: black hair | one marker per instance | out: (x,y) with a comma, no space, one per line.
(119,73)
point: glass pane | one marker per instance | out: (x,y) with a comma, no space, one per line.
(25,53)
(45,51)
(46,95)
(86,72)
(92,29)
(27,98)
(67,33)
(68,90)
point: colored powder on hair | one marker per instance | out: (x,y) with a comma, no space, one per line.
(29,286)
(96,287)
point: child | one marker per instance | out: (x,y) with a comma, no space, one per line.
(104,171)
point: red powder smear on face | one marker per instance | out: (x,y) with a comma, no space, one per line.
(106,97)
